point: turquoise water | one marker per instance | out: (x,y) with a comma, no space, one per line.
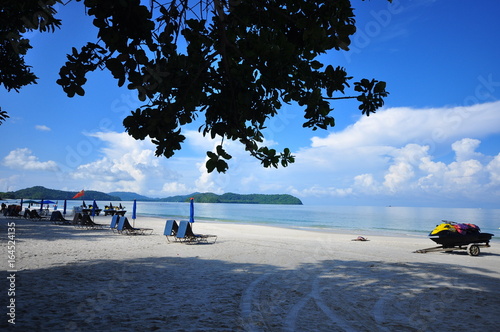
(382,220)
(416,221)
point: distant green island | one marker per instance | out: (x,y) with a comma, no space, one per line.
(236,198)
(39,192)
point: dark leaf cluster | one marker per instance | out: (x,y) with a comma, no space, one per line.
(16,19)
(3,116)
(233,63)
(242,61)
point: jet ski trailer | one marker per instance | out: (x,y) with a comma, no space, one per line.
(455,236)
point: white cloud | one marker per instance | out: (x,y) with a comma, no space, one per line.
(23,159)
(399,126)
(8,183)
(411,172)
(236,177)
(197,141)
(104,170)
(398,176)
(321,192)
(206,181)
(402,171)
(465,149)
(175,188)
(127,165)
(131,165)
(395,154)
(392,154)
(493,169)
(365,181)
(42,128)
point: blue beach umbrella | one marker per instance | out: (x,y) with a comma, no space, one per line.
(41,206)
(64,208)
(94,208)
(134,212)
(191,210)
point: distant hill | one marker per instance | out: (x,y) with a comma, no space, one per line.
(39,192)
(178,198)
(236,198)
(129,196)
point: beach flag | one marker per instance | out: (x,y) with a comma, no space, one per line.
(80,194)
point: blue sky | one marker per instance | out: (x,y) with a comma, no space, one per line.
(435,143)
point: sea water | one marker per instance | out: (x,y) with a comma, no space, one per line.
(416,221)
(367,219)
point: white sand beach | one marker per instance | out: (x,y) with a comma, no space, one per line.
(254,278)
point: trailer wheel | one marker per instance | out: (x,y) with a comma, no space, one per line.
(473,250)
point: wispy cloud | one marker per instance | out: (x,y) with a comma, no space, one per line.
(126,164)
(23,159)
(42,128)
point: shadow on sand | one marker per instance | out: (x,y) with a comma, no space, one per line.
(193,294)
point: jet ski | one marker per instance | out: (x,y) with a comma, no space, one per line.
(451,234)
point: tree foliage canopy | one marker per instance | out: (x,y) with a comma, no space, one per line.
(17,18)
(234,62)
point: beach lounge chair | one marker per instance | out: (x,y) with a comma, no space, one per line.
(34,215)
(171,229)
(124,227)
(57,218)
(88,223)
(114,222)
(185,234)
(77,219)
(27,213)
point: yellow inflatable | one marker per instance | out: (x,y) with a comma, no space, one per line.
(443,227)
